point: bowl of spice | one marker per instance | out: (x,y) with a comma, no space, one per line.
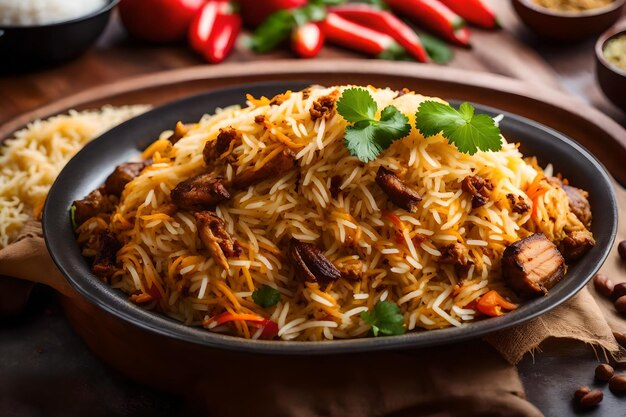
(611,65)
(568,20)
(35,33)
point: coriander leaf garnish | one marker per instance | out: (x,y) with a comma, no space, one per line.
(368,137)
(469,132)
(385,319)
(266,296)
(73,217)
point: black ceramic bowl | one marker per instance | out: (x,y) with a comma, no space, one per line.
(612,79)
(28,47)
(90,167)
(567,26)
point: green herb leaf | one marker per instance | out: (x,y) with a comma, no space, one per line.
(274,30)
(437,49)
(469,132)
(385,319)
(73,216)
(368,137)
(310,13)
(266,296)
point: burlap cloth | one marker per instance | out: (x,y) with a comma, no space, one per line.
(469,379)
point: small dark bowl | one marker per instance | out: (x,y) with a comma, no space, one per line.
(28,47)
(612,79)
(567,26)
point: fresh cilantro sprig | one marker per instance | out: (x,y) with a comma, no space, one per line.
(367,137)
(468,131)
(266,296)
(385,319)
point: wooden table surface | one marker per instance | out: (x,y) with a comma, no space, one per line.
(550,377)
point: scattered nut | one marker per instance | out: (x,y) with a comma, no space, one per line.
(617,384)
(591,399)
(620,304)
(581,392)
(604,372)
(621,338)
(621,249)
(603,285)
(619,290)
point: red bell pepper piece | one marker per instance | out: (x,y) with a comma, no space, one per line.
(386,22)
(214,30)
(476,12)
(436,17)
(492,304)
(307,40)
(360,38)
(254,12)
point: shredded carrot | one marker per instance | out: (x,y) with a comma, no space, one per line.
(280,136)
(263,101)
(492,304)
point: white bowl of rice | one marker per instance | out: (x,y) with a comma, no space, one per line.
(36,33)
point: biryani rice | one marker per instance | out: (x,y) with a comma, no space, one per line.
(161,249)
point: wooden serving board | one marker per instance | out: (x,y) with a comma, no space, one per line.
(597,132)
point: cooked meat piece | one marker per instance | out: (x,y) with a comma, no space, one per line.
(105,263)
(576,244)
(324,106)
(455,254)
(479,188)
(518,204)
(179,132)
(278,99)
(122,175)
(217,240)
(260,119)
(213,150)
(95,203)
(399,193)
(578,203)
(532,266)
(335,184)
(274,168)
(200,192)
(311,264)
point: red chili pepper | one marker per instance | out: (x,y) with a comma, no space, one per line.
(254,12)
(360,38)
(492,304)
(436,17)
(476,12)
(270,328)
(214,30)
(385,22)
(307,40)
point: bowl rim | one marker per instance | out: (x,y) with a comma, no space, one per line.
(103,296)
(598,11)
(612,33)
(109,5)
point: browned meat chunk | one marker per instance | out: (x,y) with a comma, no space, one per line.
(324,107)
(335,184)
(311,264)
(200,192)
(105,263)
(213,150)
(122,175)
(399,193)
(578,203)
(518,204)
(95,203)
(532,266)
(479,188)
(179,132)
(217,240)
(576,244)
(274,168)
(278,99)
(260,119)
(455,254)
